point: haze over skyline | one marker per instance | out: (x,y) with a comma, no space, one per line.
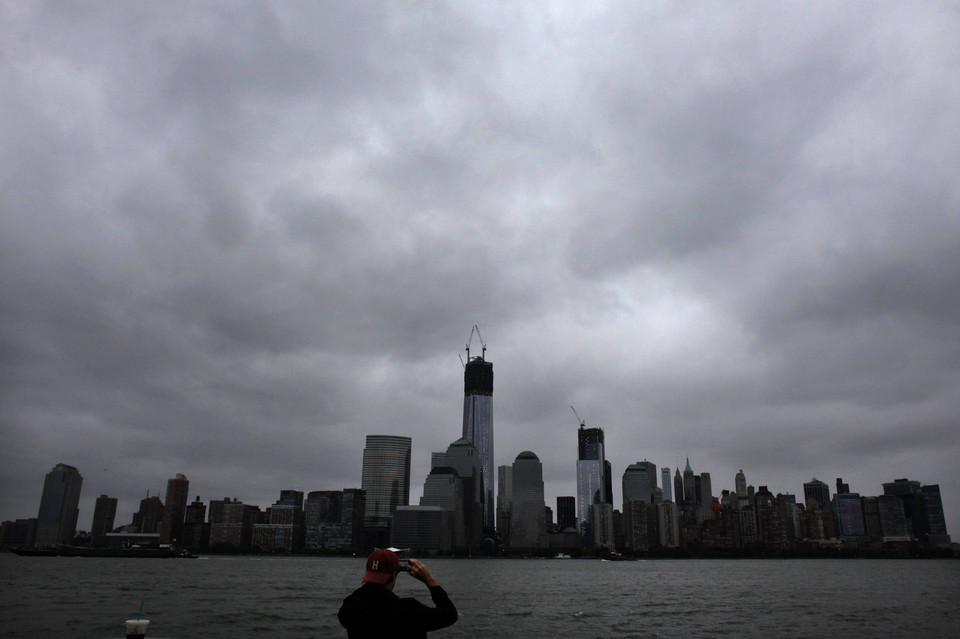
(235,239)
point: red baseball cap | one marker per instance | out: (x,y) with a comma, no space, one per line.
(382,565)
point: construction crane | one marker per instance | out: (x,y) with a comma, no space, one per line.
(582,423)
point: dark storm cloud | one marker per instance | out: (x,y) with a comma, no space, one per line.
(236,239)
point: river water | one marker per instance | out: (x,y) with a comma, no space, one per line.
(248,597)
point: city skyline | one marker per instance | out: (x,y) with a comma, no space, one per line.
(235,242)
(388,459)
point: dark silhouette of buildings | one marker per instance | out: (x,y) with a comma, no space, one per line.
(104,513)
(174,509)
(57,517)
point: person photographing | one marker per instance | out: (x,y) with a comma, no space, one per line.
(374,611)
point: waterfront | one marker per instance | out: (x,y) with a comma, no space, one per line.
(247,597)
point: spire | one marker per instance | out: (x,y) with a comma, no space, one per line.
(688,469)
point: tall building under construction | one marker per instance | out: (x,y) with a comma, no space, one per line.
(478,421)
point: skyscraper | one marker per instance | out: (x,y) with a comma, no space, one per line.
(816,494)
(849,515)
(935,524)
(174,508)
(689,487)
(566,512)
(639,480)
(478,422)
(57,517)
(528,510)
(678,488)
(591,483)
(504,502)
(443,487)
(104,513)
(385,478)
(462,456)
(147,519)
(705,496)
(665,481)
(740,484)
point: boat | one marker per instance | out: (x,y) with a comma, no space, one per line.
(129,551)
(561,555)
(163,552)
(36,552)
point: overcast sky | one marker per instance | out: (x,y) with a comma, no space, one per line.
(236,238)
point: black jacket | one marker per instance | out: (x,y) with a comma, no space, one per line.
(373,612)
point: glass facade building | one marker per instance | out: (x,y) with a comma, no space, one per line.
(385,478)
(639,480)
(591,483)
(59,506)
(478,426)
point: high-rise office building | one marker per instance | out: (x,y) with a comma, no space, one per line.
(463,457)
(816,494)
(668,524)
(196,531)
(283,530)
(478,424)
(233,524)
(603,527)
(504,497)
(104,513)
(174,509)
(689,487)
(665,482)
(705,495)
(352,514)
(385,478)
(57,517)
(443,487)
(922,508)
(591,483)
(849,516)
(842,487)
(935,524)
(147,519)
(678,488)
(740,484)
(639,480)
(566,513)
(528,510)
(893,523)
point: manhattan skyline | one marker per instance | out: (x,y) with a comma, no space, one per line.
(237,240)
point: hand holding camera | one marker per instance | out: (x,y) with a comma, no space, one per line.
(418,570)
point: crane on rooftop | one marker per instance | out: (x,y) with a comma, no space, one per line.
(483,346)
(581,422)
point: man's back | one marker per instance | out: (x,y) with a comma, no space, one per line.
(375,612)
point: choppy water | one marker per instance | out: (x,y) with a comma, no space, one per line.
(247,597)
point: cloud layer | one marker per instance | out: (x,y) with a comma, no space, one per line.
(238,239)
